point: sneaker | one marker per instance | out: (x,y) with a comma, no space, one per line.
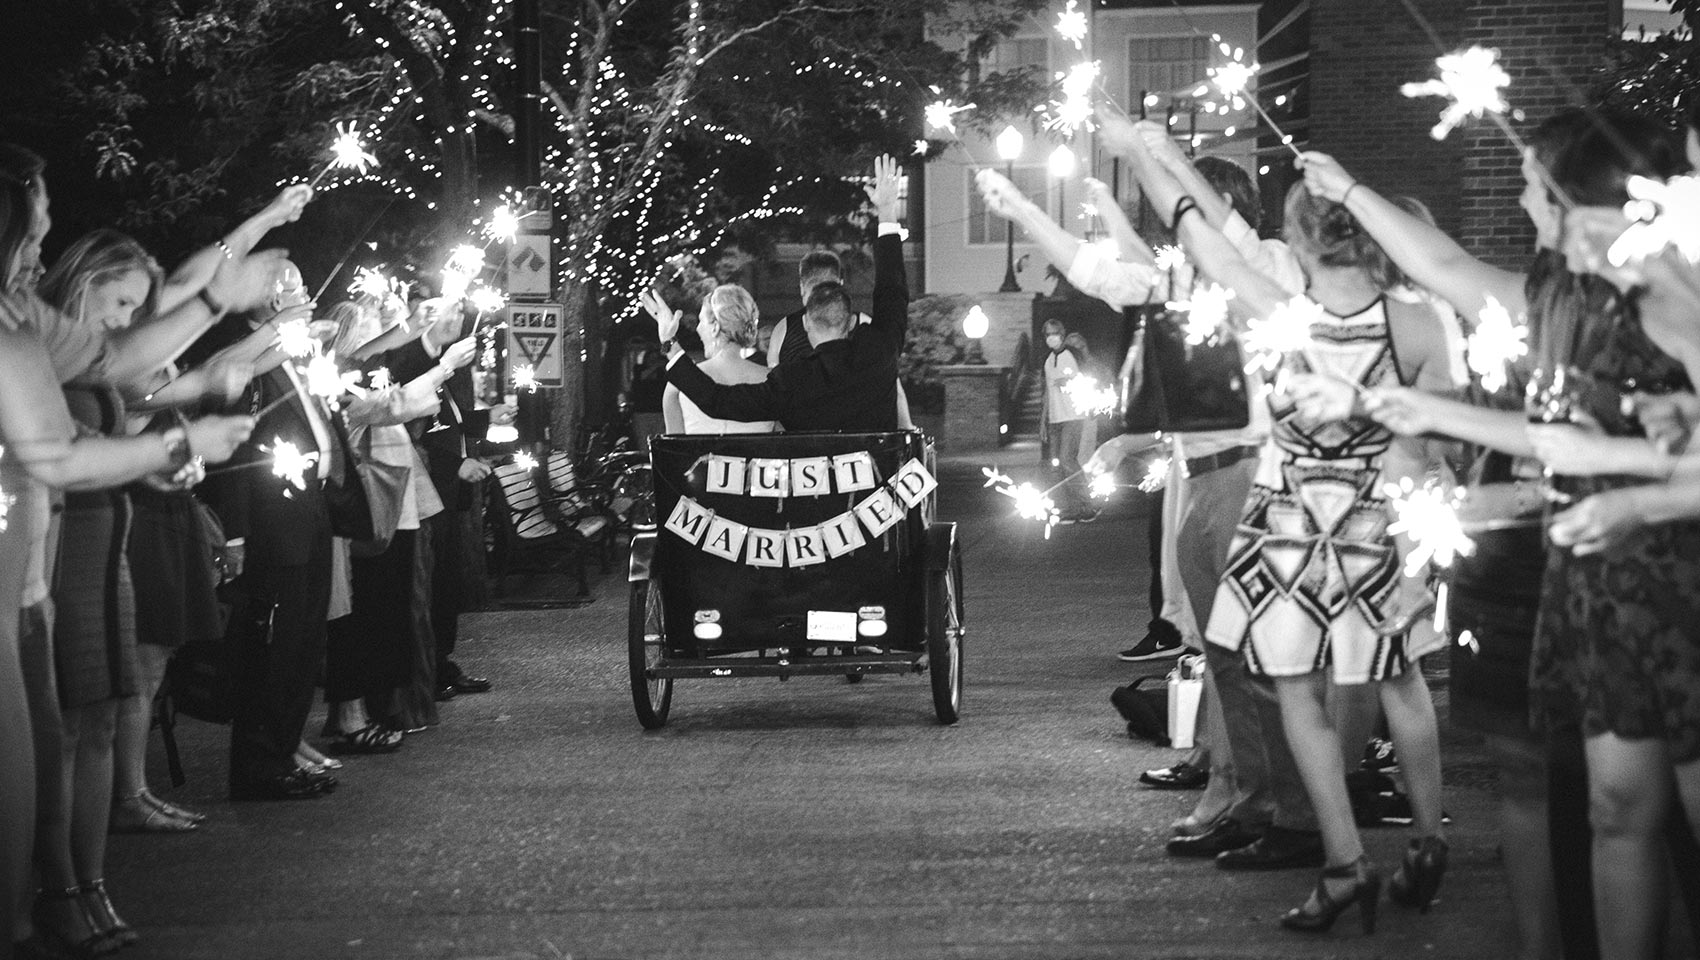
(1162,640)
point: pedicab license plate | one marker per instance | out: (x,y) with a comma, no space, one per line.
(832,626)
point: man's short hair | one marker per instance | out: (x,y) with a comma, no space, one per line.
(827,307)
(1226,176)
(818,266)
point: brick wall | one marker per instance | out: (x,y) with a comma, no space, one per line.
(1551,49)
(1361,52)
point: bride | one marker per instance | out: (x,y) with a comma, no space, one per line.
(727,325)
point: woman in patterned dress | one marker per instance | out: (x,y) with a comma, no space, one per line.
(1313,589)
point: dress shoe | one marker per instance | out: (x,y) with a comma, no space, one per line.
(1226,834)
(294,785)
(468,684)
(1279,849)
(446,692)
(1181,776)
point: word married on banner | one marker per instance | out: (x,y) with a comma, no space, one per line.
(800,546)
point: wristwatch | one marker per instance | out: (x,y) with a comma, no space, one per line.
(177,446)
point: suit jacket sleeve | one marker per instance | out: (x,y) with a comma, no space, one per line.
(731,401)
(891,292)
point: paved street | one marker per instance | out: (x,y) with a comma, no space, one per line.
(809,819)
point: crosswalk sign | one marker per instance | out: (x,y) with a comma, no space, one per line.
(534,335)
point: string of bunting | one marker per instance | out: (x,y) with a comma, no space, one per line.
(878,512)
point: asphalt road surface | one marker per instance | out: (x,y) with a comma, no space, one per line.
(805,819)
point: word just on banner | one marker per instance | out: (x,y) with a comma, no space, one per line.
(802,546)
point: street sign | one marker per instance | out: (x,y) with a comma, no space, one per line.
(528,266)
(535,333)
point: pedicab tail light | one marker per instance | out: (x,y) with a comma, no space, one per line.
(870,621)
(707,625)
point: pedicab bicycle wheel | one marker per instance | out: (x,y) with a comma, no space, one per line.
(944,637)
(652,696)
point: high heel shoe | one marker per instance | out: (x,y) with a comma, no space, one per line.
(63,917)
(133,814)
(106,918)
(1417,880)
(1365,892)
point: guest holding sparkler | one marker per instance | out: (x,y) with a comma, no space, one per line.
(1590,634)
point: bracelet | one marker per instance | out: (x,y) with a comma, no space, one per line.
(1183,206)
(224,248)
(212,304)
(1348,194)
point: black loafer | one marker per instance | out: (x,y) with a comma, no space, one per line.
(1181,776)
(1226,834)
(295,785)
(1279,849)
(472,685)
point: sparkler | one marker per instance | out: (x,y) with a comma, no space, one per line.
(1429,516)
(289,463)
(941,114)
(487,299)
(466,259)
(1071,25)
(1472,80)
(326,381)
(1268,340)
(1156,475)
(1031,503)
(1663,215)
(1074,110)
(347,152)
(525,461)
(380,379)
(503,226)
(374,283)
(1233,81)
(525,378)
(1102,486)
(296,339)
(1206,311)
(1169,257)
(1089,398)
(1495,344)
(921,147)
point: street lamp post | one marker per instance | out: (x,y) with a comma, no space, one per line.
(1009,148)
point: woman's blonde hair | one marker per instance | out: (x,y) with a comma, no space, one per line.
(734,311)
(97,257)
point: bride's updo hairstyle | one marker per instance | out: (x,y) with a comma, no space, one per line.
(733,310)
(1326,233)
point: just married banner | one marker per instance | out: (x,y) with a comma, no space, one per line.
(876,513)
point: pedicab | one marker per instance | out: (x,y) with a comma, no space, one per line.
(786,555)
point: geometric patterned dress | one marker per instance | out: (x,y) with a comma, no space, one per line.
(1312,573)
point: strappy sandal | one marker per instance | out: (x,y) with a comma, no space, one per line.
(106,918)
(170,809)
(372,738)
(133,814)
(77,933)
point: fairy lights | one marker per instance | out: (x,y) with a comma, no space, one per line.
(1286,330)
(1495,344)
(1472,80)
(1429,516)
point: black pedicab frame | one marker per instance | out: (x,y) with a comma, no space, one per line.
(694,614)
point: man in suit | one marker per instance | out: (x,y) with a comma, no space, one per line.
(849,381)
(277,630)
(449,441)
(790,340)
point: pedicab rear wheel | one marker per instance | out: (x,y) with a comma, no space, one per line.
(646,637)
(944,637)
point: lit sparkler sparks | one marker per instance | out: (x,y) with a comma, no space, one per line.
(1074,110)
(374,283)
(1472,80)
(1156,475)
(348,152)
(921,147)
(1206,311)
(326,381)
(6,500)
(1031,503)
(1071,25)
(503,226)
(525,461)
(1663,215)
(1169,257)
(487,299)
(466,259)
(380,379)
(289,463)
(1102,486)
(296,339)
(1495,344)
(1429,516)
(1268,340)
(1089,398)
(941,115)
(525,378)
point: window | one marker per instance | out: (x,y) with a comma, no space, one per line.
(1012,55)
(985,227)
(1165,64)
